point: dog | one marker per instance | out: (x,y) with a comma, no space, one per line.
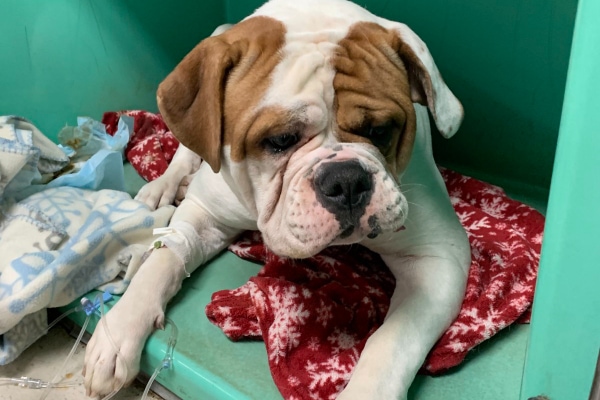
(311,119)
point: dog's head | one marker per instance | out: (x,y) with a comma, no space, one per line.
(307,112)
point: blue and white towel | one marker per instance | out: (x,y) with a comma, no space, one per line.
(60,243)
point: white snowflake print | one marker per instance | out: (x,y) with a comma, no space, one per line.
(228,326)
(376,291)
(326,260)
(293,381)
(493,190)
(241,249)
(476,225)
(511,248)
(342,340)
(284,333)
(148,160)
(537,239)
(324,313)
(332,371)
(457,346)
(500,226)
(497,260)
(223,310)
(314,343)
(464,216)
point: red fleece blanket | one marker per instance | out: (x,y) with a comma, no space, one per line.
(315,315)
(151,146)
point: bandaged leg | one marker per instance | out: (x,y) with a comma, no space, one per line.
(192,238)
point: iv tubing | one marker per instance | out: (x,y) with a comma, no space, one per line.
(166,362)
(115,348)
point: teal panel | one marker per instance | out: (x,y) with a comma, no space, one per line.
(64,58)
(236,10)
(565,334)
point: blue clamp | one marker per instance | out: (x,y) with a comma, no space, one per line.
(90,307)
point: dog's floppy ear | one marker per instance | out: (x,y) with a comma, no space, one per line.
(426,83)
(191,97)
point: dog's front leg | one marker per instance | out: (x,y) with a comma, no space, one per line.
(113,354)
(129,322)
(427,298)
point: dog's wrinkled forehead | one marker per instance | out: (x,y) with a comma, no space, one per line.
(340,77)
(302,69)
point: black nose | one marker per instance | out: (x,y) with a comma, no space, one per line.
(343,186)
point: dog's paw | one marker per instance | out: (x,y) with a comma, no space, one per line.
(164,191)
(112,355)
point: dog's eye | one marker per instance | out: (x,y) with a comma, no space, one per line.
(381,135)
(280,143)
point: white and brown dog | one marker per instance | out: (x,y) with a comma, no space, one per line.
(308,116)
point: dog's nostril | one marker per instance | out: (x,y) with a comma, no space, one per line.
(362,185)
(333,190)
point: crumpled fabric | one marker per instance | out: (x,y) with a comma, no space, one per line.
(26,156)
(151,146)
(89,137)
(59,244)
(30,162)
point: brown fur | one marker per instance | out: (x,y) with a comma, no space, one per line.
(378,78)
(205,98)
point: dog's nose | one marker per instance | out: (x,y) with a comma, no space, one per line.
(343,186)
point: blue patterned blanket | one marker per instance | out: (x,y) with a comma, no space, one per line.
(60,243)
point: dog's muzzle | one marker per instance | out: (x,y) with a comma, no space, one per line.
(344,188)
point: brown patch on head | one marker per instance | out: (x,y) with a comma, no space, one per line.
(373,89)
(205,99)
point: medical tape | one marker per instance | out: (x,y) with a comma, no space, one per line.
(183,240)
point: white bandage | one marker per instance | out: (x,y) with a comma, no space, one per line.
(183,240)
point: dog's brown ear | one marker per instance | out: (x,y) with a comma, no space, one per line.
(191,97)
(426,83)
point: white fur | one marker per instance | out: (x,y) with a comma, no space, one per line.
(429,258)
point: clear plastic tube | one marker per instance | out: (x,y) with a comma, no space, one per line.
(92,308)
(56,379)
(167,361)
(31,383)
(119,357)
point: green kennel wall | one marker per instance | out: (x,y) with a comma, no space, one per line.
(506,60)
